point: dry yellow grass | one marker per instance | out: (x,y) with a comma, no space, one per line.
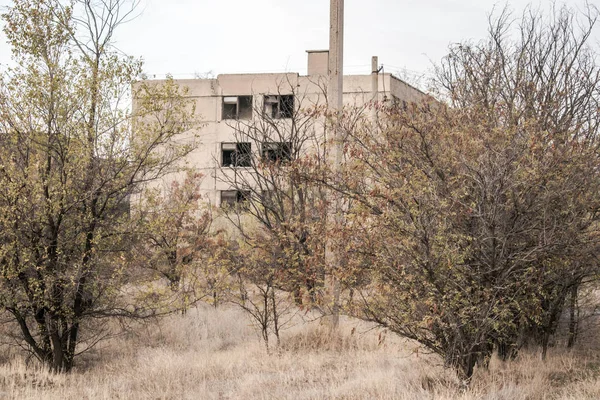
(216,354)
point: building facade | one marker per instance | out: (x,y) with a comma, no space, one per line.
(230,101)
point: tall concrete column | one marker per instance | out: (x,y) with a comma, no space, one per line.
(335,93)
(336,55)
(374,88)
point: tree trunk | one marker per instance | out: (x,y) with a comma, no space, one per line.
(275,311)
(573,316)
(297,293)
(545,342)
(466,367)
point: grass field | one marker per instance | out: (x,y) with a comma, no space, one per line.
(216,354)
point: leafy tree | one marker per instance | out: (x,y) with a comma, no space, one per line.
(548,78)
(472,223)
(175,239)
(70,161)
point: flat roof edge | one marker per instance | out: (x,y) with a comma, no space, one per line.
(259,74)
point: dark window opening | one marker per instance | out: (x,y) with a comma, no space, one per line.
(277,151)
(237,107)
(236,154)
(279,106)
(232,198)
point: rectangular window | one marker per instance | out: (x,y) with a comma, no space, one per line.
(236,154)
(276,151)
(233,198)
(279,106)
(237,107)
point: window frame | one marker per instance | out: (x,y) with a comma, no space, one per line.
(234,198)
(245,101)
(282,106)
(274,152)
(240,157)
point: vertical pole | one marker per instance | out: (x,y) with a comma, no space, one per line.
(336,55)
(374,88)
(335,93)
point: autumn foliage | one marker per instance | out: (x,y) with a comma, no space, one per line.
(467,222)
(477,219)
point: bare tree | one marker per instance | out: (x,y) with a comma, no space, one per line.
(283,141)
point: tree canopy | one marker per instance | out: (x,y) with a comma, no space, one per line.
(474,220)
(71,159)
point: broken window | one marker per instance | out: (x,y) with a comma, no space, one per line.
(237,107)
(276,151)
(233,198)
(236,154)
(279,106)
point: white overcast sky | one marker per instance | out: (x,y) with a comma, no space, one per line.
(184,37)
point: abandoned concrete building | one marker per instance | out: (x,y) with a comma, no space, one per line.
(232,99)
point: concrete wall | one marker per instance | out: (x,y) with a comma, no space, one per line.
(318,62)
(404,91)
